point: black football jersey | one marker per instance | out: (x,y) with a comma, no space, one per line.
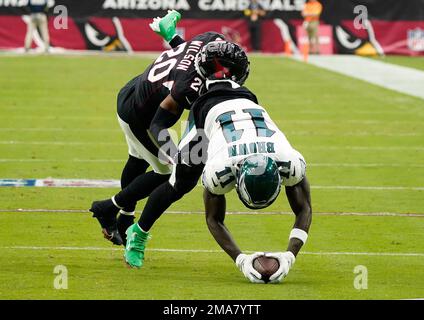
(218,93)
(173,72)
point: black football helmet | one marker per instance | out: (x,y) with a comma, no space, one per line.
(223,60)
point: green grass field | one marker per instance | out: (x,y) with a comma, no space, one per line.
(365,152)
(416,62)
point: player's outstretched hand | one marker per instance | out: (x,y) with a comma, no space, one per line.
(286,261)
(166,27)
(245,263)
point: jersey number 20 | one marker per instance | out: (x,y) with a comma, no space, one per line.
(165,66)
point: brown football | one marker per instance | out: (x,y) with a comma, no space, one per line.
(266,266)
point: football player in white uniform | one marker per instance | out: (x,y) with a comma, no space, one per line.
(232,143)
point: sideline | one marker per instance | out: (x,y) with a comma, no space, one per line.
(387,75)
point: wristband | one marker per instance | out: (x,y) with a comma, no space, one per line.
(299,234)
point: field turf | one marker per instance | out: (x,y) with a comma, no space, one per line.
(365,152)
(416,62)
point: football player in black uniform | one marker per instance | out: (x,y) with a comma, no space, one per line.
(171,82)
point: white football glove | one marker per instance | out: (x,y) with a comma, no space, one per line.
(245,263)
(286,261)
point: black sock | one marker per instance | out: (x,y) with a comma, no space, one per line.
(123,223)
(159,200)
(139,188)
(133,168)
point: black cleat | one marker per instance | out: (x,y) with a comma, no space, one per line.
(124,222)
(112,234)
(105,212)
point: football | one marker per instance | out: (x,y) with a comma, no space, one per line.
(266,267)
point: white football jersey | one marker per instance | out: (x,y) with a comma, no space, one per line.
(236,129)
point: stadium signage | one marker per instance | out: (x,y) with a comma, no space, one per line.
(202,5)
(416,39)
(146,4)
(21,3)
(240,5)
(123,24)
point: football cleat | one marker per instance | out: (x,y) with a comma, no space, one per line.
(136,244)
(105,212)
(112,234)
(166,26)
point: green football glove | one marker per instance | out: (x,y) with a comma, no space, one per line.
(166,26)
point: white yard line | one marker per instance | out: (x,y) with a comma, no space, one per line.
(298,133)
(366,165)
(390,76)
(112,183)
(59,130)
(294,121)
(98,143)
(67,160)
(355,134)
(368,188)
(322,253)
(366,148)
(334,165)
(286,213)
(61,143)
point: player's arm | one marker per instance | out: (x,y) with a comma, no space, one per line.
(215,214)
(299,197)
(300,201)
(165,117)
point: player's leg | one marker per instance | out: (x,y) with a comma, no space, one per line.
(127,198)
(29,33)
(309,32)
(136,183)
(317,49)
(105,211)
(314,37)
(184,177)
(134,168)
(44,31)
